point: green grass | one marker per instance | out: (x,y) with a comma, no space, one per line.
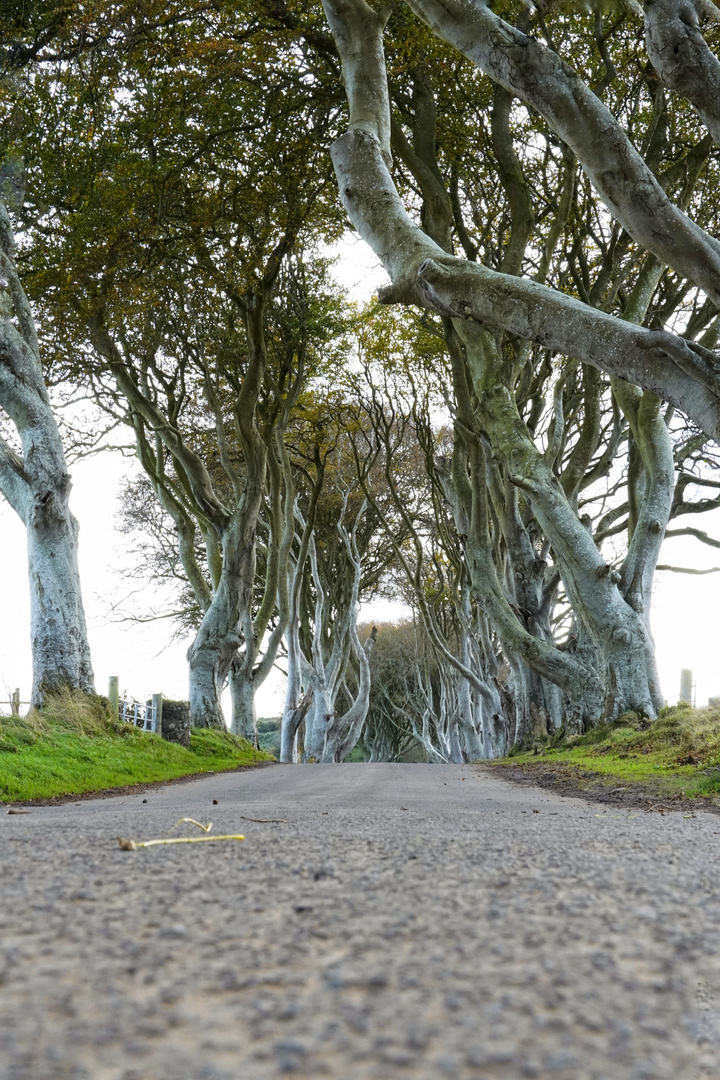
(73,746)
(677,754)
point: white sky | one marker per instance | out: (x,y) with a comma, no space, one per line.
(684,608)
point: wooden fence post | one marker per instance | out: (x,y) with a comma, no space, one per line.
(114,694)
(15,703)
(686,686)
(157,713)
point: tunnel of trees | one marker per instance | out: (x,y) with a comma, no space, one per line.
(502,440)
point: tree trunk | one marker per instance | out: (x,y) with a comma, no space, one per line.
(293,713)
(318,721)
(631,677)
(455,755)
(538,705)
(291,724)
(470,736)
(242,693)
(212,652)
(347,729)
(60,650)
(205,685)
(37,486)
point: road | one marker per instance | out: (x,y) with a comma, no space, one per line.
(390,921)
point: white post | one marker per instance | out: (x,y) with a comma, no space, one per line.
(114,694)
(15,703)
(686,686)
(157,713)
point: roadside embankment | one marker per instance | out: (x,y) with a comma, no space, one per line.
(673,761)
(74,747)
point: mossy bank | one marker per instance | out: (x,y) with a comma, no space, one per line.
(674,759)
(74,747)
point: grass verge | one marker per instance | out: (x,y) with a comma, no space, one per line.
(74,746)
(675,757)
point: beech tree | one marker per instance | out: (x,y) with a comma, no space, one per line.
(34,479)
(340,557)
(179,263)
(554,231)
(612,668)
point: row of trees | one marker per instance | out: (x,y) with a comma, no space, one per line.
(502,441)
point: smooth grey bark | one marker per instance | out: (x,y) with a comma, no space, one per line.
(329,737)
(682,57)
(319,675)
(470,722)
(249,668)
(428,725)
(315,681)
(440,706)
(628,187)
(229,535)
(536,703)
(346,730)
(616,623)
(447,718)
(243,720)
(516,602)
(528,582)
(229,532)
(483,720)
(298,700)
(214,648)
(480,707)
(481,713)
(530,586)
(37,485)
(535,700)
(230,612)
(682,372)
(613,668)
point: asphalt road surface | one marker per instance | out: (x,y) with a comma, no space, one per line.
(379,921)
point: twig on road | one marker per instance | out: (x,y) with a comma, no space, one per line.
(264,820)
(133,845)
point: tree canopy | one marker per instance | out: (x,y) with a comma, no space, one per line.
(502,441)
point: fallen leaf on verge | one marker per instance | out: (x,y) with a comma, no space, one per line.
(19,811)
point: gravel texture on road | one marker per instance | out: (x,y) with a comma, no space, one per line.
(379,922)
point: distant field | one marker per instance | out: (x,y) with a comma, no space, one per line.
(268,730)
(74,746)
